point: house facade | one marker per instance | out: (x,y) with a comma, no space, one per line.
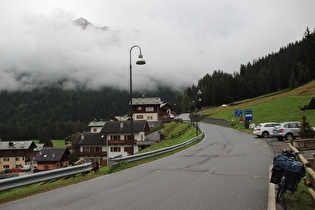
(15,154)
(154,110)
(92,147)
(113,140)
(50,158)
(118,135)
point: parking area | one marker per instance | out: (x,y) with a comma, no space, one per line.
(277,146)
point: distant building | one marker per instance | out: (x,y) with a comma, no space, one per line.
(96,126)
(121,118)
(113,140)
(14,154)
(50,158)
(92,147)
(154,110)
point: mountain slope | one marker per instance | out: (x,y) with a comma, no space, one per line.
(279,107)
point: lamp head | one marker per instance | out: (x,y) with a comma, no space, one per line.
(141,61)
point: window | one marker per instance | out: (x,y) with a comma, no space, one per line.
(294,125)
(17,159)
(139,108)
(94,130)
(149,109)
(6,166)
(86,149)
(6,159)
(114,137)
(115,149)
(139,116)
(98,149)
(149,118)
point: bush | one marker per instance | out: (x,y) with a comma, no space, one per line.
(306,130)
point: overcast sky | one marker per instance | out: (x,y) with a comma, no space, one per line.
(181,40)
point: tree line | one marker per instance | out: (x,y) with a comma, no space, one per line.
(292,66)
(54,113)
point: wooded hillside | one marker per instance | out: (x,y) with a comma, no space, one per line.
(54,113)
(292,66)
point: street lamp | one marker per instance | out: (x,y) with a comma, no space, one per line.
(199,93)
(140,61)
(199,100)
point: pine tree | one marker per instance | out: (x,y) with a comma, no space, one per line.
(306,130)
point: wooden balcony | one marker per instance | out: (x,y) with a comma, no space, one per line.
(89,154)
(165,119)
(121,142)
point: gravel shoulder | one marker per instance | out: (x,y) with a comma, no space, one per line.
(277,146)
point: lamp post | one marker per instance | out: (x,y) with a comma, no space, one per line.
(141,61)
(198,117)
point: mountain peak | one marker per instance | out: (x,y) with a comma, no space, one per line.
(83,23)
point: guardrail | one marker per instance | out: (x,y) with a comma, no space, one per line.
(217,121)
(24,180)
(131,158)
(15,182)
(309,167)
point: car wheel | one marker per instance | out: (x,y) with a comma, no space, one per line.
(289,136)
(265,134)
(280,138)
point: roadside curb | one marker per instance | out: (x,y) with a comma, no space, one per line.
(271,194)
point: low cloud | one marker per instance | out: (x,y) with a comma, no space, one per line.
(39,45)
(48,50)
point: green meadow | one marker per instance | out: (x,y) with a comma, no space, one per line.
(271,108)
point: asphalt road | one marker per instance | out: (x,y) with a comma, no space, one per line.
(228,170)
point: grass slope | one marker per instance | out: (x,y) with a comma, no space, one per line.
(56,143)
(271,108)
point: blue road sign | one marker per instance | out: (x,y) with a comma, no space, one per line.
(248,114)
(238,112)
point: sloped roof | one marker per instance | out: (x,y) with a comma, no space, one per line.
(146,101)
(125,126)
(122,118)
(16,145)
(96,124)
(311,104)
(165,105)
(90,139)
(51,154)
